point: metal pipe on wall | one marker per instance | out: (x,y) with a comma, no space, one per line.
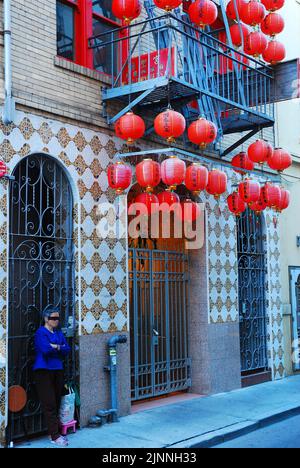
(8,103)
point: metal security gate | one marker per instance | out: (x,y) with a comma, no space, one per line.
(41,273)
(252,287)
(158,322)
(295,302)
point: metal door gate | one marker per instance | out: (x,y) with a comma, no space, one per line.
(41,273)
(158,322)
(252,287)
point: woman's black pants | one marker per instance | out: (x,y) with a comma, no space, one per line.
(49,384)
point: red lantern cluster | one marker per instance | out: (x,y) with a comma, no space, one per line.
(169,125)
(273,5)
(126,10)
(259,206)
(203,13)
(255,44)
(167,5)
(239,33)
(284,200)
(196,178)
(148,174)
(149,203)
(173,172)
(271,195)
(168,199)
(234,5)
(202,132)
(249,191)
(130,127)
(260,151)
(190,211)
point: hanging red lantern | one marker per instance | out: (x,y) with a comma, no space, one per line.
(202,132)
(217,183)
(271,195)
(252,12)
(255,44)
(232,6)
(126,10)
(170,125)
(203,13)
(273,5)
(196,178)
(119,176)
(3,169)
(130,127)
(280,160)
(249,191)
(242,161)
(259,206)
(274,53)
(149,203)
(239,33)
(190,211)
(236,205)
(242,60)
(168,199)
(260,151)
(272,24)
(167,5)
(285,200)
(148,174)
(173,172)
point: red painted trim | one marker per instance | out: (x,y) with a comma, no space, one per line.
(84,30)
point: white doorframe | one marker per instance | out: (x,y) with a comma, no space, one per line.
(294,273)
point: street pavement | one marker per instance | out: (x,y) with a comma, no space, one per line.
(198,422)
(284,434)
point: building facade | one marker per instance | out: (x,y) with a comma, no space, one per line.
(227,295)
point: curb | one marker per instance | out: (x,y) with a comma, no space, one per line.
(218,437)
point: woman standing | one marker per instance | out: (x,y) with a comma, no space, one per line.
(50,346)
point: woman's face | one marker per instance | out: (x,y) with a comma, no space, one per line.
(53,320)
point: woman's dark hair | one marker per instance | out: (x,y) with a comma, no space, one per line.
(48,312)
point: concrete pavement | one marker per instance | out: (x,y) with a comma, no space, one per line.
(198,422)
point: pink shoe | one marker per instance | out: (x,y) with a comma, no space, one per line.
(60,442)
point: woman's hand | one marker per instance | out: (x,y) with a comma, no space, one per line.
(55,346)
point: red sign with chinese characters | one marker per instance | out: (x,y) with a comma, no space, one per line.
(149,66)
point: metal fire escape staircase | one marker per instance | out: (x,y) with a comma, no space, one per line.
(164,60)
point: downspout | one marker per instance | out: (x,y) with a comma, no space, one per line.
(8,103)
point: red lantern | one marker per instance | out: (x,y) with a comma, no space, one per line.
(272,24)
(260,151)
(239,33)
(148,174)
(196,178)
(258,206)
(203,13)
(271,195)
(149,203)
(3,169)
(249,191)
(255,44)
(202,132)
(170,125)
(130,127)
(190,211)
(274,53)
(173,172)
(119,176)
(242,60)
(126,10)
(241,161)
(285,200)
(273,5)
(253,12)
(167,5)
(217,183)
(280,160)
(168,199)
(232,6)
(235,204)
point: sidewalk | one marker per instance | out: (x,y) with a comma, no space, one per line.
(198,422)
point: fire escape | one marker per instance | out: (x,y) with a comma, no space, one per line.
(165,60)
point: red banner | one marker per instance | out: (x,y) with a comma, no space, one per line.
(149,66)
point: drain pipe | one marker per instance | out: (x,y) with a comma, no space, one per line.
(8,109)
(112,413)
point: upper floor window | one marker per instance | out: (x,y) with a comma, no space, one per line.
(77,21)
